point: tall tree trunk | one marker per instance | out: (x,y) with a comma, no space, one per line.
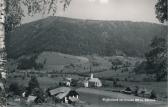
(3,59)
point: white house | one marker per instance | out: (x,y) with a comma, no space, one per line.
(1,86)
(93,82)
(68,81)
(31,99)
(86,83)
(3,75)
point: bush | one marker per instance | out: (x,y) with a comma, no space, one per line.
(153,95)
(40,95)
(29,63)
(33,83)
(16,89)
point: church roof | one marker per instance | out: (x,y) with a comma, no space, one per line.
(94,80)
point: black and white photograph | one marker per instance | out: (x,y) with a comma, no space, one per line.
(83,53)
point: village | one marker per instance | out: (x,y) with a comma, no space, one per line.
(67,91)
(74,81)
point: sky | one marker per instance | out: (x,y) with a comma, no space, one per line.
(130,10)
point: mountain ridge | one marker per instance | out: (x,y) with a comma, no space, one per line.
(101,20)
(82,37)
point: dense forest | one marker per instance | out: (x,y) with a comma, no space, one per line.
(83,37)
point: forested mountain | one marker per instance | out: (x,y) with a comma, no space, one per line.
(83,37)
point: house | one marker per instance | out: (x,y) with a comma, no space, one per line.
(127,90)
(23,94)
(143,92)
(1,86)
(3,74)
(65,95)
(17,99)
(93,82)
(86,83)
(31,98)
(66,82)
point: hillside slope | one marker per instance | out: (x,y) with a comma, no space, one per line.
(83,37)
(64,63)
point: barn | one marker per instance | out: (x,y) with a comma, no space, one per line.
(65,95)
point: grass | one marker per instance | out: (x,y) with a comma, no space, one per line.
(159,87)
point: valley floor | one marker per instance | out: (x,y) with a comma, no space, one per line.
(94,98)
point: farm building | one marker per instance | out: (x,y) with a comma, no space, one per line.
(31,98)
(3,74)
(66,82)
(141,92)
(1,86)
(92,82)
(65,95)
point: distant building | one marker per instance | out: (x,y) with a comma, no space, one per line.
(86,83)
(1,86)
(93,82)
(3,74)
(65,95)
(66,82)
(17,99)
(127,90)
(31,98)
(24,94)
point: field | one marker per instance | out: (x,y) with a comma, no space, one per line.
(159,87)
(94,98)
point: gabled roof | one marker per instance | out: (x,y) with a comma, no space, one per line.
(94,80)
(62,95)
(31,98)
(73,93)
(60,91)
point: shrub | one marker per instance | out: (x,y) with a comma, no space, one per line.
(16,89)
(153,95)
(29,63)
(33,83)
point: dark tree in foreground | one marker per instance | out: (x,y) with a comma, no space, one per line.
(17,9)
(157,58)
(161,10)
(32,85)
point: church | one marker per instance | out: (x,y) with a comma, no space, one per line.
(92,82)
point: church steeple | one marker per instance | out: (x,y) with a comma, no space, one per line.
(91,76)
